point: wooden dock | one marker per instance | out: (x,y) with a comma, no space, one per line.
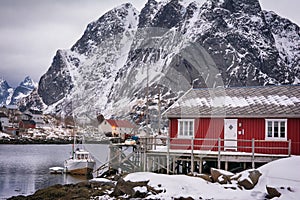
(153,154)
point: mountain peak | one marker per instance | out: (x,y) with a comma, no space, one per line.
(244,6)
(169,15)
(3,83)
(28,83)
(114,22)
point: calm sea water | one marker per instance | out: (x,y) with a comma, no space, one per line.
(25,168)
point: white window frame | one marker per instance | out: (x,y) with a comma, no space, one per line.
(188,132)
(279,138)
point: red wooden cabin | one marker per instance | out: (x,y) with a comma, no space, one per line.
(267,118)
(26,124)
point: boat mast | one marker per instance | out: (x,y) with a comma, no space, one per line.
(73,145)
(159,111)
(147,94)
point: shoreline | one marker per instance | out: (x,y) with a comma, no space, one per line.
(35,141)
(46,141)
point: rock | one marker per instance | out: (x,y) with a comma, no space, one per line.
(223,179)
(184,198)
(245,183)
(215,174)
(272,192)
(205,177)
(220,176)
(126,187)
(250,181)
(254,176)
(290,189)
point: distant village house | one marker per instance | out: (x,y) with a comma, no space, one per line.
(116,128)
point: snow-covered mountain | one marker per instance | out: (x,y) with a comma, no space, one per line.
(5,92)
(11,96)
(171,45)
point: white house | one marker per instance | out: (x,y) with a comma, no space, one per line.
(37,117)
(116,128)
(4,120)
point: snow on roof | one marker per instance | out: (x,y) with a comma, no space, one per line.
(120,123)
(265,101)
(12,107)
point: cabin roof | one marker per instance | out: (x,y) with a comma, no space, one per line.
(251,102)
(120,123)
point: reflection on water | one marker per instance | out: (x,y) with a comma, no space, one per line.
(25,168)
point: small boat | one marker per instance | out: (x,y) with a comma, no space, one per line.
(130,142)
(56,170)
(81,163)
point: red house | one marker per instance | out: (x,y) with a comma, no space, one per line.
(237,119)
(26,124)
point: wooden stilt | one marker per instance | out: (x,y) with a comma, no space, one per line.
(226,165)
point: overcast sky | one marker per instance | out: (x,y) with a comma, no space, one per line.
(31,31)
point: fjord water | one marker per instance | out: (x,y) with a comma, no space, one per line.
(25,168)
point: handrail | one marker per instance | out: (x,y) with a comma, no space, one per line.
(206,143)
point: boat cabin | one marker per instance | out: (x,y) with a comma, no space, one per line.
(82,155)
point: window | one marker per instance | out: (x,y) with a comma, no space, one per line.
(185,128)
(276,129)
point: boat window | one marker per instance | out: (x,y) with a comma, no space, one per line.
(78,157)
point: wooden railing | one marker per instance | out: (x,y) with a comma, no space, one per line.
(217,144)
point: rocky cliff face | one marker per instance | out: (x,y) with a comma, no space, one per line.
(5,92)
(11,96)
(169,47)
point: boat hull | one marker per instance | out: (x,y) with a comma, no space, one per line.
(79,167)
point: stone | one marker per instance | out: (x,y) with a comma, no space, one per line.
(272,192)
(218,176)
(126,187)
(205,177)
(251,181)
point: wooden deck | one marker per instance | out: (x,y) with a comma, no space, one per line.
(154,154)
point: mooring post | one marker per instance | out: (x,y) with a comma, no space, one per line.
(145,156)
(253,152)
(290,147)
(219,153)
(200,165)
(192,155)
(168,154)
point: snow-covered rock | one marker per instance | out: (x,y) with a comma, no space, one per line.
(5,92)
(281,174)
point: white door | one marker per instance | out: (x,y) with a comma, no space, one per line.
(230,134)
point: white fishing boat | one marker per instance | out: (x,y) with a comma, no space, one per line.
(81,163)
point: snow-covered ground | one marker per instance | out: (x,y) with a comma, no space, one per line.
(282,174)
(4,135)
